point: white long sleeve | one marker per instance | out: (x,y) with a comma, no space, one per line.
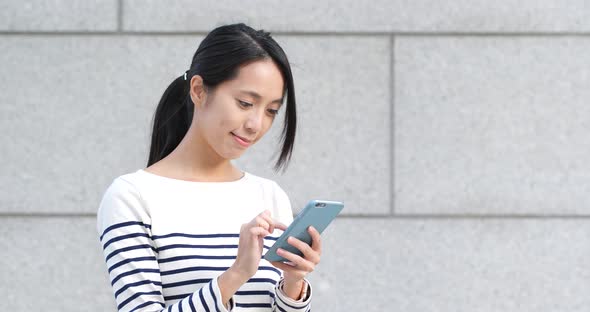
(166,241)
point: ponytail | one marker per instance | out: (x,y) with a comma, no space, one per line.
(171,121)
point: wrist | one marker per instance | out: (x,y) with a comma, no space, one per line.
(229,282)
(235,274)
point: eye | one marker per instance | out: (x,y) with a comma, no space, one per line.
(244,104)
(274,112)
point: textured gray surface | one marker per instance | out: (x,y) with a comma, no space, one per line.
(455,265)
(53,264)
(361,16)
(492,125)
(58,15)
(79,113)
(480,203)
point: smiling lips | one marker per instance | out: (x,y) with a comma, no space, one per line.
(242,141)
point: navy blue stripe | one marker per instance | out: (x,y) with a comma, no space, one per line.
(147,304)
(214,297)
(254,293)
(254,305)
(180,306)
(190,269)
(122,304)
(129,248)
(164,260)
(122,237)
(240,293)
(133,272)
(174,297)
(190,302)
(230,246)
(262,280)
(220,235)
(120,263)
(203,300)
(118,225)
(136,284)
(154,237)
(187,282)
(280,308)
(196,246)
(290,306)
(267,268)
(211,268)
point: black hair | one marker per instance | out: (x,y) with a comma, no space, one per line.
(216,60)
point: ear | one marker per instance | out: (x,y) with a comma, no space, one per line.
(198,91)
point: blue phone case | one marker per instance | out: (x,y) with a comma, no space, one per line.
(318,213)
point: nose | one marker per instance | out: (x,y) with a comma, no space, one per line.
(254,122)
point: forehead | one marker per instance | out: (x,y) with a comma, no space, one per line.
(262,77)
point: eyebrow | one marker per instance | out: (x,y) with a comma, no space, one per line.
(258,96)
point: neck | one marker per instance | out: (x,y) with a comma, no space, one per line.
(197,160)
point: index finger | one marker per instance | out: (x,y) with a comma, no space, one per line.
(266,217)
(280,225)
(273,223)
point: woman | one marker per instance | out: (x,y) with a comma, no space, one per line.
(187,233)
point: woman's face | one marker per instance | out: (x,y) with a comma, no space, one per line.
(240,111)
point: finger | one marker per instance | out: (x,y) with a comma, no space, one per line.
(280,226)
(261,222)
(283,266)
(269,220)
(316,240)
(258,231)
(307,251)
(296,259)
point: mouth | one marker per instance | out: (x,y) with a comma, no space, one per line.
(242,141)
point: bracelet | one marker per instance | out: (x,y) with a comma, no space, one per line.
(304,292)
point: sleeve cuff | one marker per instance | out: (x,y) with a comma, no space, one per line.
(288,303)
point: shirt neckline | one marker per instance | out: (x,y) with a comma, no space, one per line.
(244,177)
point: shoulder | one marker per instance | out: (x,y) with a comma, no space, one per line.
(270,185)
(280,204)
(121,202)
(123,187)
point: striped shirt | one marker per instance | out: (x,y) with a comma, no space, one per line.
(165,242)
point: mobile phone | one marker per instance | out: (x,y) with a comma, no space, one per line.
(317,213)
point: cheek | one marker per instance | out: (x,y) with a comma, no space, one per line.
(219,119)
(227,123)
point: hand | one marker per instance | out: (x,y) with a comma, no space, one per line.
(298,267)
(251,243)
